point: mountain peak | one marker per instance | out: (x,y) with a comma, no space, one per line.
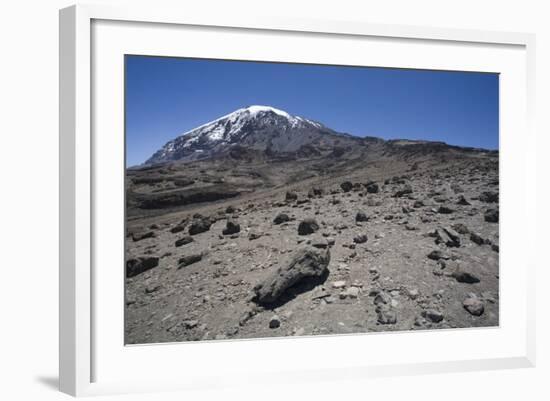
(255,109)
(257,127)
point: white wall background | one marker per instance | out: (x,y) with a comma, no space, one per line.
(29,195)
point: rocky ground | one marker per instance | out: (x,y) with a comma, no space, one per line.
(289,249)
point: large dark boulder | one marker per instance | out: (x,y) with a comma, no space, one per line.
(315,192)
(491,216)
(463,276)
(447,236)
(489,197)
(372,188)
(199,225)
(307,226)
(306,263)
(462,201)
(361,216)
(141,264)
(231,228)
(291,196)
(143,235)
(445,210)
(346,186)
(184,241)
(281,218)
(189,260)
(405,190)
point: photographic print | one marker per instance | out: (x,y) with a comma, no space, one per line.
(270,199)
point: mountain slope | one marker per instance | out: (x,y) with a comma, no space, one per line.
(258,128)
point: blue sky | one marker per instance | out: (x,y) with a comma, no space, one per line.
(168,96)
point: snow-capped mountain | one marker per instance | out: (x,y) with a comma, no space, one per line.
(258,128)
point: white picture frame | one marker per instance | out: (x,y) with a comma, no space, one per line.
(79,341)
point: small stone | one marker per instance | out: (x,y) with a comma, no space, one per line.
(190,324)
(432,315)
(463,276)
(444,210)
(405,190)
(436,255)
(291,196)
(189,260)
(413,293)
(372,188)
(462,201)
(314,192)
(474,306)
(184,241)
(152,288)
(178,228)
(320,243)
(300,332)
(361,216)
(254,235)
(141,236)
(274,322)
(382,298)
(489,197)
(339,284)
(477,238)
(351,292)
(360,239)
(386,315)
(460,228)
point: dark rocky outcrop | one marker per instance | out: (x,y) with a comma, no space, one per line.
(405,190)
(141,264)
(306,263)
(307,226)
(281,218)
(199,225)
(184,241)
(361,216)
(231,228)
(489,197)
(491,216)
(189,260)
(346,186)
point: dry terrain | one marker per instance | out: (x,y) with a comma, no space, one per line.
(377,239)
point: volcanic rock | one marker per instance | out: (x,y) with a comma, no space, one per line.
(141,264)
(474,305)
(491,216)
(306,263)
(281,218)
(231,228)
(346,186)
(307,226)
(199,225)
(184,241)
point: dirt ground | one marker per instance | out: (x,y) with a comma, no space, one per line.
(203,289)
